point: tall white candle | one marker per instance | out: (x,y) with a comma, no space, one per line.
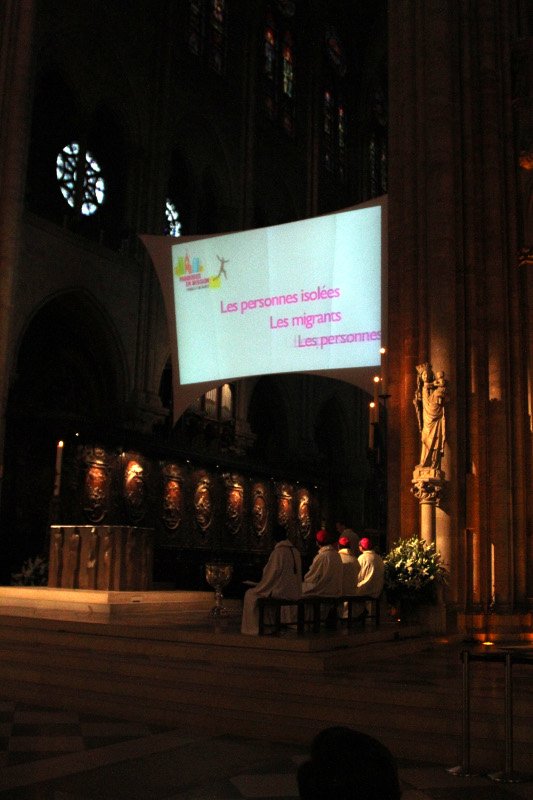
(384,371)
(492,574)
(371,425)
(376,398)
(59,461)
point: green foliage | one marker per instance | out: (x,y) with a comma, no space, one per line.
(413,570)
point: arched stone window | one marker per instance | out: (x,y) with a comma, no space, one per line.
(173,224)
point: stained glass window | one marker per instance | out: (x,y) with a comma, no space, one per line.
(270,49)
(341,140)
(377,144)
(196,26)
(288,70)
(328,128)
(80,179)
(377,157)
(217,28)
(208,31)
(278,65)
(335,51)
(334,114)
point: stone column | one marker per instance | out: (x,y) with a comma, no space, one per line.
(16,33)
(454,287)
(427,488)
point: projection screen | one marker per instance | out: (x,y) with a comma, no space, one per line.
(303,296)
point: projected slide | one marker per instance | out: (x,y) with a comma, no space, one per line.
(304,296)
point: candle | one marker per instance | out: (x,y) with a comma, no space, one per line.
(371,425)
(384,371)
(59,461)
(376,398)
(492,574)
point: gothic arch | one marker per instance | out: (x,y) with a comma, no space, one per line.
(68,377)
(69,361)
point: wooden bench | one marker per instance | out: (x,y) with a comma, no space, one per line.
(277,603)
(309,611)
(315,603)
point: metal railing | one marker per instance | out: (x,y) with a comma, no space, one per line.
(508,658)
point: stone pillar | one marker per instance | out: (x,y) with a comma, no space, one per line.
(16,33)
(455,283)
(427,488)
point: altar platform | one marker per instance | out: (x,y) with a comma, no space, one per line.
(185,617)
(146,661)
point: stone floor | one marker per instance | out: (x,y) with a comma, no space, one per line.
(59,754)
(53,755)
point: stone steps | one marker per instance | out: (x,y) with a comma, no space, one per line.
(262,690)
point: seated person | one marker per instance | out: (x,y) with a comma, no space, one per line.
(348,765)
(371,570)
(343,530)
(282,577)
(350,566)
(350,572)
(324,576)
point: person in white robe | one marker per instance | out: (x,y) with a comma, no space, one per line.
(324,576)
(282,577)
(343,530)
(371,570)
(350,572)
(350,566)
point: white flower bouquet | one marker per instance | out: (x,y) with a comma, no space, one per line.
(413,570)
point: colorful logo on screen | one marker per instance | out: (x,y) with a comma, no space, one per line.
(191,273)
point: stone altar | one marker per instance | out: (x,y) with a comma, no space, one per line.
(112,557)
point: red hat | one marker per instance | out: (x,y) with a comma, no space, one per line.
(365,544)
(344,541)
(323,537)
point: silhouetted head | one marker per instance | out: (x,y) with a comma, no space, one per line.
(348,765)
(279,533)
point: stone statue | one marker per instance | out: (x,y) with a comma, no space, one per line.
(430,398)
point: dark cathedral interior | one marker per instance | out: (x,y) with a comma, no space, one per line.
(189,118)
(125,123)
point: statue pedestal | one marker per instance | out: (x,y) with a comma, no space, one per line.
(112,557)
(427,487)
(428,475)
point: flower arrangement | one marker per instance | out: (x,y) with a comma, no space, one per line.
(413,570)
(34,572)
